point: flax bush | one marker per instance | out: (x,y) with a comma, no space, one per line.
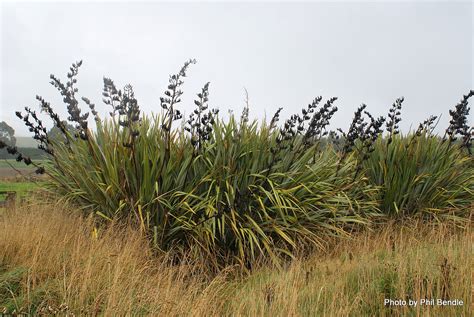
(227,191)
(422,175)
(223,200)
(235,190)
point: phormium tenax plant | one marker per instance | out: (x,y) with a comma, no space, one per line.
(234,191)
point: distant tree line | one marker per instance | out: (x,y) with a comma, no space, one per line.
(7,134)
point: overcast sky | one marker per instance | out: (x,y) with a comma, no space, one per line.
(284,54)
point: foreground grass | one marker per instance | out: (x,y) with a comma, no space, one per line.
(53,260)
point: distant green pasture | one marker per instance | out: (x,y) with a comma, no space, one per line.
(12,162)
(21,188)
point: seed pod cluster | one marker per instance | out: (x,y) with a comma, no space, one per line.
(37,128)
(427,126)
(394,118)
(356,129)
(200,124)
(275,119)
(371,134)
(111,95)
(129,114)
(458,123)
(173,96)
(320,120)
(68,91)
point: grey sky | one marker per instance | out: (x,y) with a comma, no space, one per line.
(285,54)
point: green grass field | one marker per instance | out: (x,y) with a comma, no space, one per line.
(21,188)
(10,168)
(11,162)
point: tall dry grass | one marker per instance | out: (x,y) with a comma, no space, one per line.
(54,260)
(51,259)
